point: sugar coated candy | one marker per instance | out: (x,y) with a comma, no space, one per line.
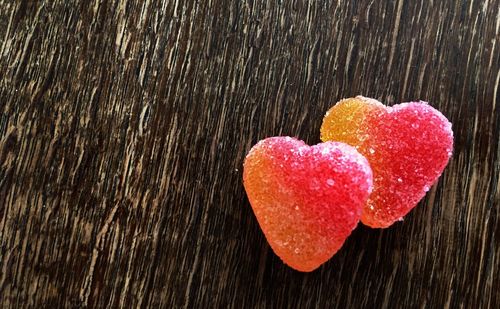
(407,145)
(307,199)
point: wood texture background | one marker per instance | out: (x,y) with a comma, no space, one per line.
(124,125)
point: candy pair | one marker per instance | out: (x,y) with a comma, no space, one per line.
(375,164)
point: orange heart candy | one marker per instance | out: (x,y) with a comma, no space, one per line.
(307,199)
(407,146)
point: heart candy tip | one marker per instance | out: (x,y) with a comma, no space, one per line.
(301,268)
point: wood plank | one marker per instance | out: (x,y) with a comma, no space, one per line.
(124,125)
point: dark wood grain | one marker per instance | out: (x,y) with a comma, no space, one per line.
(124,125)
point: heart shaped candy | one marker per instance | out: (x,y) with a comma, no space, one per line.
(307,200)
(407,145)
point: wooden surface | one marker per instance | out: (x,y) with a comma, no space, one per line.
(124,125)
